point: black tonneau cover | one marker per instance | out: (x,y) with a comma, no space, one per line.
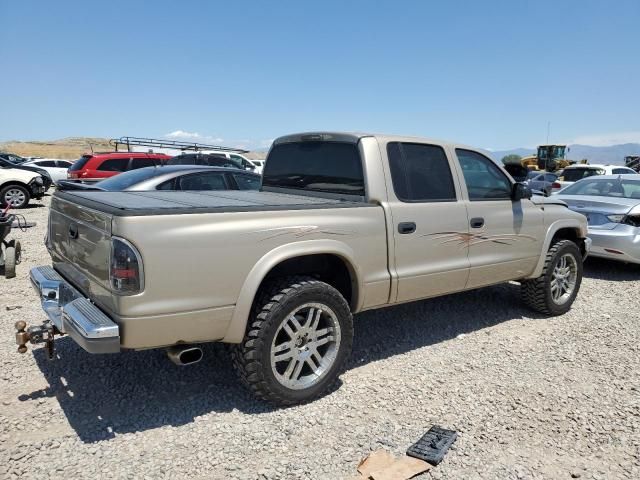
(172,202)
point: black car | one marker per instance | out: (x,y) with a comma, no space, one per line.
(10,160)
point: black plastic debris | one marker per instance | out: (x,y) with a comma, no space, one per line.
(433,445)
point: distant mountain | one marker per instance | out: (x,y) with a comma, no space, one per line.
(613,154)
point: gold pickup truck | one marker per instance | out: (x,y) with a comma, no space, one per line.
(342,223)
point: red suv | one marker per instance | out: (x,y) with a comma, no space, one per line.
(104,165)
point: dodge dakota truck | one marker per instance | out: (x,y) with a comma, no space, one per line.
(342,223)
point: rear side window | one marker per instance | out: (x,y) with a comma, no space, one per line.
(622,171)
(420,173)
(485,181)
(114,165)
(328,167)
(142,162)
(51,163)
(247,182)
(79,164)
(63,164)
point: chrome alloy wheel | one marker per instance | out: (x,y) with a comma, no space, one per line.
(563,279)
(305,346)
(14,197)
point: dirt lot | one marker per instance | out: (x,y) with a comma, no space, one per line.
(531,397)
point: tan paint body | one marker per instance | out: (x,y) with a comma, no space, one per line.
(202,270)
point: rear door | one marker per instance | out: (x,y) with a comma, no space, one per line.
(429,220)
(505,237)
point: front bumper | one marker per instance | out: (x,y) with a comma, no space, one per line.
(621,243)
(37,190)
(73,314)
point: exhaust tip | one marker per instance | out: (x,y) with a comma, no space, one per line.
(184,355)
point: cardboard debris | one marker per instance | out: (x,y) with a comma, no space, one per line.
(382,465)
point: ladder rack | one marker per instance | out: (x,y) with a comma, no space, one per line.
(128,142)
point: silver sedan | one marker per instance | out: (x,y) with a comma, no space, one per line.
(611,204)
(173,177)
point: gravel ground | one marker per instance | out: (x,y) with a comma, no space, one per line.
(530,397)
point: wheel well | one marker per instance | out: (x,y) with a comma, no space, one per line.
(569,234)
(328,268)
(14,183)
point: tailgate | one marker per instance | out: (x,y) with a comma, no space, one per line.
(80,243)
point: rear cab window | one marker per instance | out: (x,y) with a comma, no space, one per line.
(323,167)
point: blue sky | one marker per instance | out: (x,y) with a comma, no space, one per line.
(490,74)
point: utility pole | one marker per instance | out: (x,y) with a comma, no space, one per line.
(548,130)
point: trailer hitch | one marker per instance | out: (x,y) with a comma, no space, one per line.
(44,333)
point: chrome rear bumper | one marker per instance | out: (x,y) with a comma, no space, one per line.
(73,314)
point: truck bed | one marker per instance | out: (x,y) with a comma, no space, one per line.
(174,202)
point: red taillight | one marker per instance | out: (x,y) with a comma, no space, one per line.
(126,265)
(72,175)
(556,185)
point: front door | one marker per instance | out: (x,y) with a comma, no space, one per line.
(505,238)
(429,221)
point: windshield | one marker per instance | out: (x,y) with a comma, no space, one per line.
(575,174)
(127,179)
(603,187)
(329,167)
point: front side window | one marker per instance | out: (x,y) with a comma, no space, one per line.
(420,173)
(142,163)
(203,181)
(247,182)
(114,165)
(485,181)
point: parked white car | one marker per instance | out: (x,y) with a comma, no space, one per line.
(259,166)
(56,168)
(18,186)
(573,173)
(243,161)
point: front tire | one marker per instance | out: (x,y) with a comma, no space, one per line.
(16,196)
(297,341)
(553,292)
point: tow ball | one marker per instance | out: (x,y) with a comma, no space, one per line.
(36,334)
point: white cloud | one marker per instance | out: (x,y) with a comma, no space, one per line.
(606,139)
(193,136)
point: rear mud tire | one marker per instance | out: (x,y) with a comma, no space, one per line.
(253,358)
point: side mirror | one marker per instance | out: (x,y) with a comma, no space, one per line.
(520,191)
